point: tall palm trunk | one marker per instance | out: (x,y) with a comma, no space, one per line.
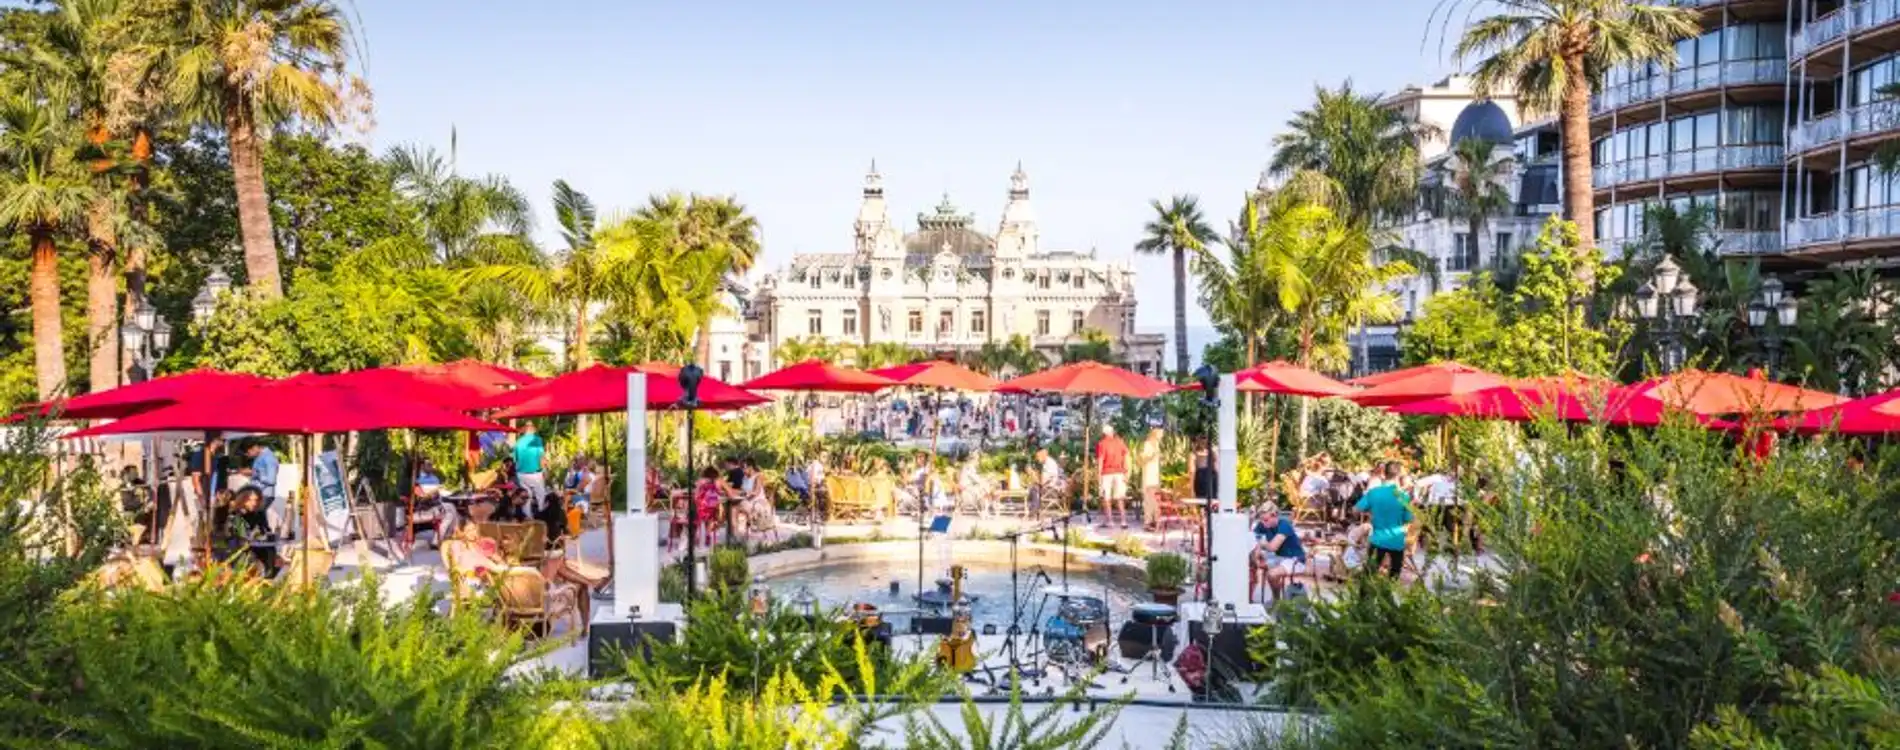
(135,260)
(49,356)
(1180,314)
(254,223)
(1579,202)
(702,343)
(101,298)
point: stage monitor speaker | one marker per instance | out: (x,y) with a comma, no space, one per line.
(1136,640)
(611,644)
(930,625)
(1230,661)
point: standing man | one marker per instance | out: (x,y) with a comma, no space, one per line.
(528,470)
(1111,465)
(263,476)
(1391,511)
(202,464)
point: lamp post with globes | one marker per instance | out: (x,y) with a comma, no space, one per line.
(1668,301)
(146,338)
(206,303)
(1772,312)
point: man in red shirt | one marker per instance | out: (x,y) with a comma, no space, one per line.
(1111,465)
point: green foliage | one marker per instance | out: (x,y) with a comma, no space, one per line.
(1320,647)
(672,584)
(1051,727)
(1167,571)
(1542,326)
(776,438)
(330,200)
(1650,591)
(725,639)
(729,568)
(1353,435)
(234,664)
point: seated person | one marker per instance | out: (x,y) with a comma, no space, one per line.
(428,482)
(972,489)
(754,511)
(552,512)
(579,482)
(1353,557)
(249,534)
(1277,551)
(1049,484)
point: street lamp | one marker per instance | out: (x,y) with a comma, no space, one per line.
(1210,402)
(1669,302)
(1773,300)
(689,378)
(205,304)
(146,337)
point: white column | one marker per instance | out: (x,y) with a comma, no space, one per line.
(1229,471)
(636,539)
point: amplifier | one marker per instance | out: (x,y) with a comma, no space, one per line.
(610,644)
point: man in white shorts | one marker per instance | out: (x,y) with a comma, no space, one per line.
(1111,464)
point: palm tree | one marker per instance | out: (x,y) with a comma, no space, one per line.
(248,66)
(717,227)
(1091,345)
(1369,150)
(1478,171)
(1555,53)
(887,354)
(795,350)
(1177,230)
(41,197)
(465,220)
(1235,290)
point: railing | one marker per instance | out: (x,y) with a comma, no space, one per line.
(1872,117)
(1729,241)
(1852,18)
(1858,224)
(1698,78)
(1713,159)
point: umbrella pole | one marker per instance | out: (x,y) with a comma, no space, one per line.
(923,496)
(303,499)
(409,520)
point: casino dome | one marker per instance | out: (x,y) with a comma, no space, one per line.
(1482,119)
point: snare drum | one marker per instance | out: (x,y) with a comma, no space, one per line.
(1083,611)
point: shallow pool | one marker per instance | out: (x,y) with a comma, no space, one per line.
(841,584)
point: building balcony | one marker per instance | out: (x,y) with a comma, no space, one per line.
(1727,242)
(1767,76)
(1876,23)
(1850,235)
(1684,164)
(1859,126)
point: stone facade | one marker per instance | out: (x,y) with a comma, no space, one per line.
(947,287)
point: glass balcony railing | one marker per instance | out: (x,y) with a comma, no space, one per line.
(1682,163)
(1853,18)
(1729,241)
(1854,122)
(1858,224)
(1683,80)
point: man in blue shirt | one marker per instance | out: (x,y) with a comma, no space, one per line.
(263,475)
(1278,551)
(528,470)
(1391,512)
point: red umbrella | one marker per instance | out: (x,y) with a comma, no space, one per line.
(128,400)
(1431,381)
(1715,393)
(657,367)
(938,374)
(1286,378)
(1409,372)
(299,406)
(818,375)
(602,388)
(1521,403)
(1087,378)
(461,386)
(1878,414)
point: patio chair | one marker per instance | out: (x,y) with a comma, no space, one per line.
(305,568)
(883,489)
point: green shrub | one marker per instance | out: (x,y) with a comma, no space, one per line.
(236,664)
(673,584)
(1316,648)
(729,568)
(724,639)
(1167,571)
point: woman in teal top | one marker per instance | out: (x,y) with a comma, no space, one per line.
(1391,512)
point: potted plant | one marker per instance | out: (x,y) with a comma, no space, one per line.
(1167,573)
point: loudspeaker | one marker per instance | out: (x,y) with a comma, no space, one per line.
(611,644)
(1229,660)
(930,625)
(1137,639)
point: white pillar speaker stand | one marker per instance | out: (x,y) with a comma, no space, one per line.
(1231,539)
(636,541)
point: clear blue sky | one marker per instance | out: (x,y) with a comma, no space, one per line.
(1107,104)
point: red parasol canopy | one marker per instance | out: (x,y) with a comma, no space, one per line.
(602,388)
(1377,379)
(1431,381)
(298,406)
(657,367)
(1088,378)
(1878,414)
(818,375)
(938,374)
(1525,403)
(462,386)
(1715,393)
(143,396)
(1286,378)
